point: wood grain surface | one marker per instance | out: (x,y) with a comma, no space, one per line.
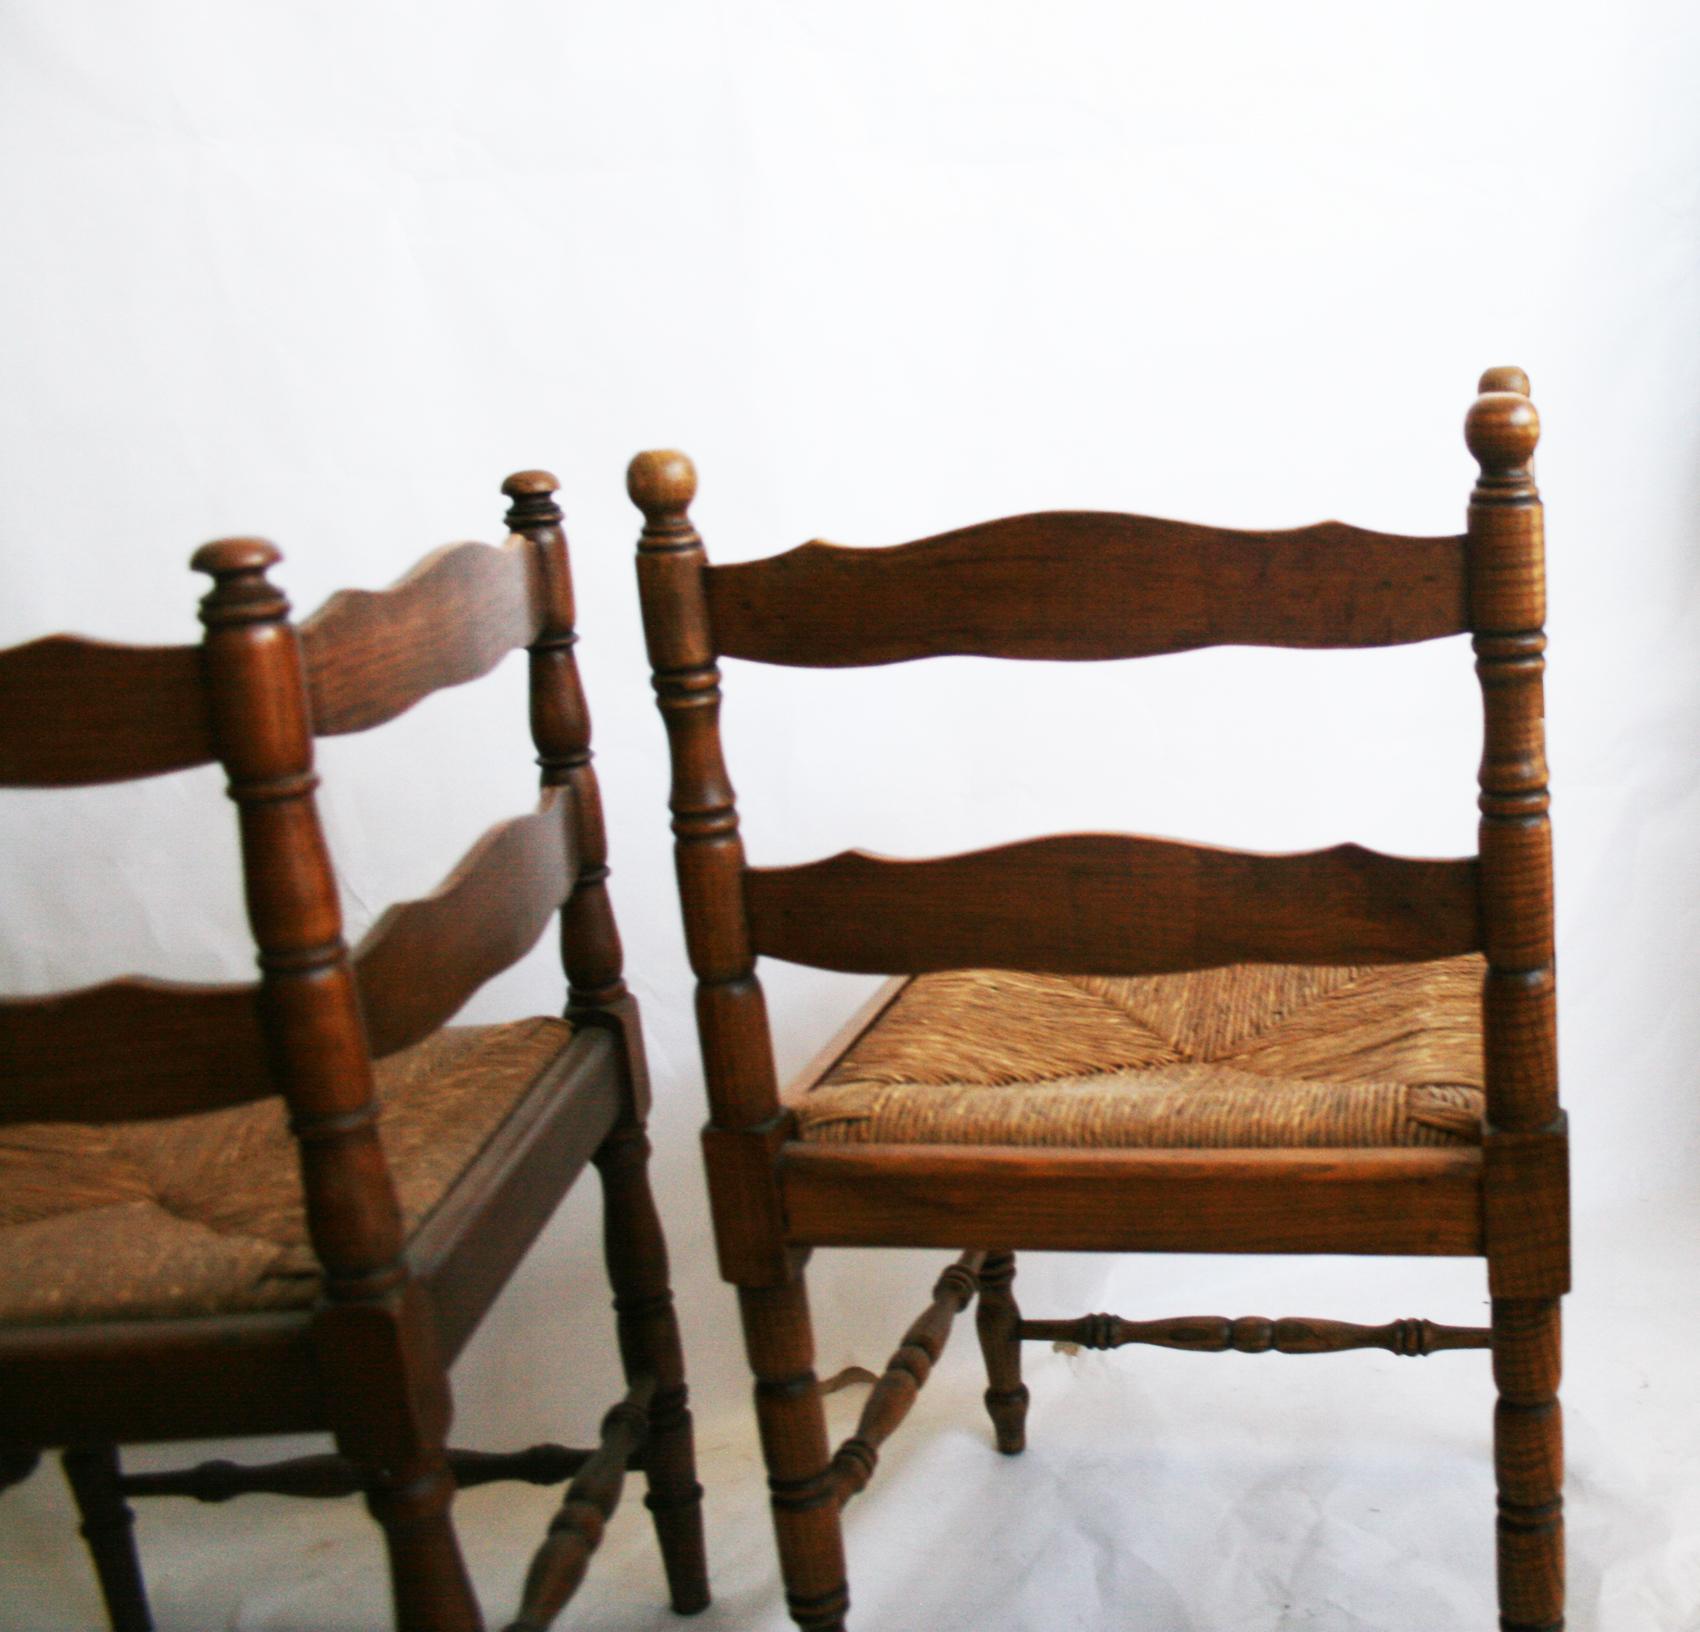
(1105,904)
(1080,585)
(76,711)
(373,653)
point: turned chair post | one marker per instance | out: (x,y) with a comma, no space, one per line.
(709,853)
(651,1354)
(1525,1205)
(634,1246)
(373,1316)
(560,728)
(747,1124)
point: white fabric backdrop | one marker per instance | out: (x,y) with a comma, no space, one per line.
(327,272)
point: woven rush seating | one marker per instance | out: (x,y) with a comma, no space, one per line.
(199,1215)
(1250,1055)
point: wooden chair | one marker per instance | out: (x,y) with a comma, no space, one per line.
(284,1207)
(1125,1044)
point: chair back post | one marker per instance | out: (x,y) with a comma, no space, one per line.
(1525,1143)
(310,1005)
(747,1124)
(560,728)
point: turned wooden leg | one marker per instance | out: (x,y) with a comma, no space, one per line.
(793,1440)
(998,1321)
(109,1528)
(649,1347)
(1528,1456)
(427,1577)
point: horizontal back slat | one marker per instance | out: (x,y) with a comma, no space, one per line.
(373,654)
(75,711)
(1084,585)
(423,959)
(1105,904)
(130,1051)
(133,1050)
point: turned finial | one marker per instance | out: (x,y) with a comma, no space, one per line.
(533,495)
(1507,377)
(662,484)
(236,557)
(240,589)
(1501,430)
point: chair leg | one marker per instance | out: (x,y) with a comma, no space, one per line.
(109,1528)
(428,1579)
(792,1422)
(649,1347)
(998,1322)
(1528,1454)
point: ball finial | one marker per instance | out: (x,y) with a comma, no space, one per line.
(661,483)
(529,484)
(1501,430)
(1504,378)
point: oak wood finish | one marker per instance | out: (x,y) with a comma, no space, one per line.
(373,1320)
(199,1048)
(221,1480)
(1527,1200)
(74,712)
(1528,1455)
(187,1048)
(76,1385)
(1077,587)
(576,1530)
(744,1115)
(369,1361)
(1419,1203)
(421,961)
(906,1374)
(1098,903)
(998,1321)
(653,1359)
(469,1247)
(372,654)
(801,1488)
(597,1000)
(1257,1334)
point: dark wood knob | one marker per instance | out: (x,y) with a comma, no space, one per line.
(1501,430)
(232,557)
(1505,378)
(529,484)
(661,483)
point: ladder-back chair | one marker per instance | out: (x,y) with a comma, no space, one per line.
(284,1207)
(1127,1044)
